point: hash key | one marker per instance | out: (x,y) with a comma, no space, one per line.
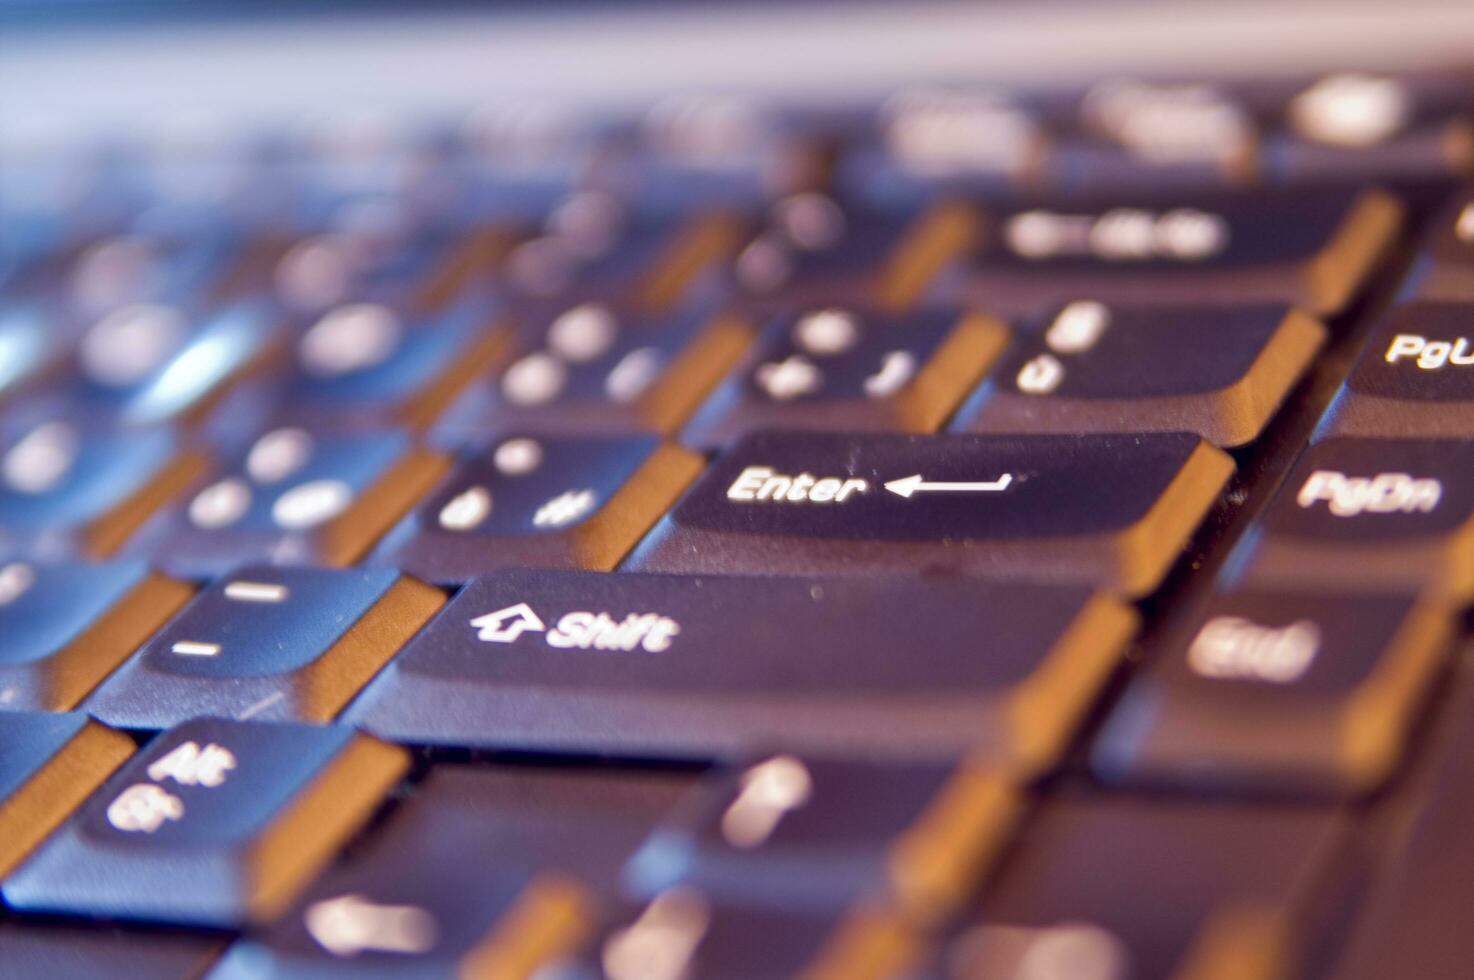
(679,666)
(1283,691)
(835,368)
(556,502)
(66,627)
(294,497)
(807,833)
(49,764)
(268,643)
(1110,511)
(1414,378)
(1378,514)
(1218,371)
(216,823)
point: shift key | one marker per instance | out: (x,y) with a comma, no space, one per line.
(1109,511)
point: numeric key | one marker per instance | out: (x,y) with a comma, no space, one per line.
(294,497)
(269,643)
(1113,511)
(1218,371)
(1280,691)
(215,823)
(675,666)
(1312,250)
(66,627)
(554,503)
(838,369)
(1378,514)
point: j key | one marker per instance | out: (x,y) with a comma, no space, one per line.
(481,872)
(215,823)
(1280,691)
(49,763)
(147,363)
(1218,371)
(1413,379)
(66,627)
(839,369)
(552,503)
(1356,127)
(1378,514)
(268,643)
(1411,923)
(70,953)
(1313,250)
(66,491)
(1444,272)
(684,933)
(822,833)
(590,368)
(294,497)
(811,250)
(676,666)
(1156,887)
(1113,511)
(370,364)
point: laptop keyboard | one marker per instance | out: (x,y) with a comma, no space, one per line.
(979,535)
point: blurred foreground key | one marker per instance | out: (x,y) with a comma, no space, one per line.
(64,952)
(1110,511)
(670,665)
(269,643)
(215,823)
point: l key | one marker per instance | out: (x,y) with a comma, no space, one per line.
(1113,511)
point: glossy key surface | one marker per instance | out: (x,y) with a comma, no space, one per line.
(556,502)
(479,870)
(1109,510)
(214,823)
(63,628)
(838,368)
(268,643)
(69,952)
(1088,367)
(1388,514)
(683,666)
(49,763)
(1300,694)
(293,497)
(1311,249)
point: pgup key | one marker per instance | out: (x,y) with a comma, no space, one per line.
(217,823)
(1110,511)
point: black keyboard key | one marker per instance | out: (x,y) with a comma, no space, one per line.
(481,872)
(215,823)
(669,665)
(806,833)
(1375,514)
(683,933)
(69,492)
(1444,270)
(294,497)
(66,627)
(1278,691)
(1112,511)
(364,365)
(591,369)
(810,250)
(558,502)
(1144,887)
(49,763)
(1312,250)
(840,369)
(269,643)
(1218,371)
(60,952)
(1413,377)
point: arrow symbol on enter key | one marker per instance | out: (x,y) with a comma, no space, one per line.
(915,483)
